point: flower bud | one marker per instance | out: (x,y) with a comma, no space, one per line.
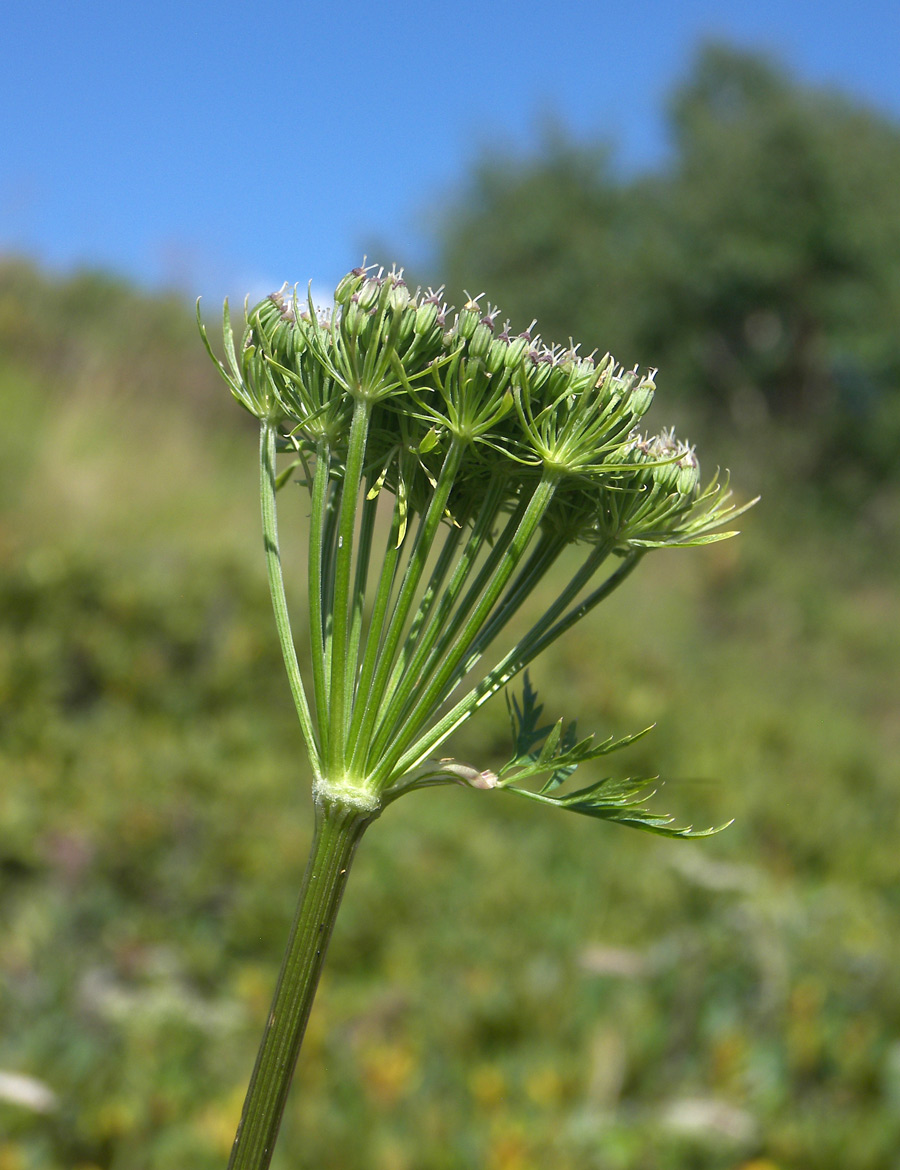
(496,356)
(248,355)
(405,329)
(427,315)
(271,324)
(688,480)
(399,297)
(540,371)
(582,375)
(268,312)
(677,468)
(369,293)
(516,351)
(482,336)
(348,285)
(467,319)
(559,378)
(665,477)
(354,316)
(640,398)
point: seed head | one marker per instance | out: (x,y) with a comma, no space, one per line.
(520,408)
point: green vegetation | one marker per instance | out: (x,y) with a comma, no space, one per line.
(506,988)
(758,268)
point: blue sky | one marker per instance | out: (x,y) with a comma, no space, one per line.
(226,147)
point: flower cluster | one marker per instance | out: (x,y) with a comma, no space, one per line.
(442,391)
(490,453)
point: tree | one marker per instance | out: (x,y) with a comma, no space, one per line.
(546,235)
(783,215)
(759,267)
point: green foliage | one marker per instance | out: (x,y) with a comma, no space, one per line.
(555,751)
(758,268)
(783,208)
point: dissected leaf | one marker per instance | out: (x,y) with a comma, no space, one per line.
(554,750)
(525,718)
(625,808)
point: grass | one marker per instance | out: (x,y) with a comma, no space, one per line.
(506,989)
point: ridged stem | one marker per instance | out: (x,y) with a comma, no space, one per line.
(418,558)
(338,704)
(525,651)
(316,567)
(338,831)
(436,691)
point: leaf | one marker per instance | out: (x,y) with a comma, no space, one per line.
(402,510)
(562,772)
(283,476)
(554,750)
(375,489)
(525,722)
(622,803)
(429,442)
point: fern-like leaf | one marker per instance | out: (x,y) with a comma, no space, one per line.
(555,751)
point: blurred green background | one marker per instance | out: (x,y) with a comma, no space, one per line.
(506,989)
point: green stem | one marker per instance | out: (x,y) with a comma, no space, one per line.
(329,556)
(346,526)
(375,632)
(522,654)
(424,540)
(358,603)
(438,691)
(564,599)
(537,566)
(416,672)
(338,831)
(433,590)
(537,641)
(267,437)
(316,601)
(447,621)
(453,623)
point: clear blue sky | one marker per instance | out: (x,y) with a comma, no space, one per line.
(225,147)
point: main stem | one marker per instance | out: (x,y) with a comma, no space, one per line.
(338,831)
